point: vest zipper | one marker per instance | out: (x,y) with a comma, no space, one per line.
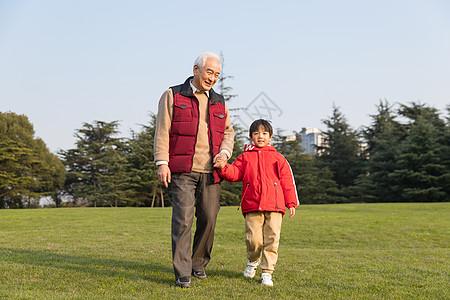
(196,134)
(208,123)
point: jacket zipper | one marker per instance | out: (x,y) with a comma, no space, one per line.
(276,194)
(243,194)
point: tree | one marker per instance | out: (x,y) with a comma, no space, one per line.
(340,152)
(52,172)
(231,191)
(314,185)
(446,155)
(224,89)
(96,167)
(115,179)
(28,170)
(422,170)
(144,187)
(383,138)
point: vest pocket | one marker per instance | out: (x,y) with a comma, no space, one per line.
(182,112)
(220,119)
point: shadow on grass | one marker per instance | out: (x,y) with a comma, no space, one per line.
(92,265)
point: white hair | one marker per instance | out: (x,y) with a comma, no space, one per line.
(201,59)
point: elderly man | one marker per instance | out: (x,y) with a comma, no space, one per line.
(193,134)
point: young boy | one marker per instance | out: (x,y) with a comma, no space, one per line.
(268,188)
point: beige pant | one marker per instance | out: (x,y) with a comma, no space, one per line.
(262,236)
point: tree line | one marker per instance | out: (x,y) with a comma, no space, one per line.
(402,156)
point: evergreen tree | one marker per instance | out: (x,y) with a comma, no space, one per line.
(383,138)
(231,191)
(422,171)
(445,159)
(144,187)
(314,185)
(115,180)
(340,152)
(95,168)
(363,190)
(223,88)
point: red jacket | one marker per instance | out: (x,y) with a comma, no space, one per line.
(267,180)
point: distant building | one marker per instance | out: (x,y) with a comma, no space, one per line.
(311,137)
(291,138)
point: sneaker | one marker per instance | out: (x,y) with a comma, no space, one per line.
(199,274)
(266,279)
(251,269)
(183,282)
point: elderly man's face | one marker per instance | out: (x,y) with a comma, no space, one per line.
(206,77)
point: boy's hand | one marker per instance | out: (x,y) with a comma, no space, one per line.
(220,165)
(292,212)
(220,160)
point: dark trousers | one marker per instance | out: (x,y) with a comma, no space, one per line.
(189,191)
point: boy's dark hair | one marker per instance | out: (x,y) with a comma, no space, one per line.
(258,123)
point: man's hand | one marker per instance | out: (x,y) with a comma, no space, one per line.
(220,160)
(164,175)
(291,212)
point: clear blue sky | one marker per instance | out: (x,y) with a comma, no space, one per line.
(63,63)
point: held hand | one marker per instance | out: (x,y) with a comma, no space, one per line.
(291,212)
(164,175)
(220,164)
(220,160)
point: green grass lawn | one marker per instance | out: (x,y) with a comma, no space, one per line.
(351,251)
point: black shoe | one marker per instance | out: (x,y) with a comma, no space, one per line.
(183,282)
(199,274)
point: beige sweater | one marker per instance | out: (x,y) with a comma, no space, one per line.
(202,161)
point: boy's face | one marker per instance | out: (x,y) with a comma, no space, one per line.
(261,137)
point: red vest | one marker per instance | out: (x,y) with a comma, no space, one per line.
(183,134)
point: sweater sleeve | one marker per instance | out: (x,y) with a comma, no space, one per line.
(228,137)
(288,185)
(163,126)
